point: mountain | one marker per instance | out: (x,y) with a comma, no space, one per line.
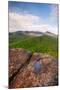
(50,34)
(33,33)
(45,43)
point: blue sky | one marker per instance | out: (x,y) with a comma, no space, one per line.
(38,9)
(45,15)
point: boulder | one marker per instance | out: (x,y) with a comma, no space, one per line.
(47,76)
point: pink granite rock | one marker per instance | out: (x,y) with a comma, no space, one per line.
(26,77)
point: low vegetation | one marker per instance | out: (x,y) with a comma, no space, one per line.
(43,44)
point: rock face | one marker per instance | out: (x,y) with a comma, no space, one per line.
(17,58)
(22,73)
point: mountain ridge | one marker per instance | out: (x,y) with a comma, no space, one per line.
(34,33)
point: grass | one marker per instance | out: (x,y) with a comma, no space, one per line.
(43,44)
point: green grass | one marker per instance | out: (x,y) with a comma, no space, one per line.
(43,44)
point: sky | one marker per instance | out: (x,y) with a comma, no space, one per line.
(25,16)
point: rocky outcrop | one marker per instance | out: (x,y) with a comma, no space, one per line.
(21,69)
(17,58)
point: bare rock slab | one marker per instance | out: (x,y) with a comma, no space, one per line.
(17,58)
(47,76)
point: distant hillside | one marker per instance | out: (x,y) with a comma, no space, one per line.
(43,43)
(34,33)
(51,34)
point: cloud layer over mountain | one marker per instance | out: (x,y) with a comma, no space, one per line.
(28,22)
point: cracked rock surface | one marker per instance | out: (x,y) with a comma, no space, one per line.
(22,73)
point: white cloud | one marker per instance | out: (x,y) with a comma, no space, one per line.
(54,10)
(28,22)
(21,21)
(54,14)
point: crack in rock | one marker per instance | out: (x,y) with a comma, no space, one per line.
(22,69)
